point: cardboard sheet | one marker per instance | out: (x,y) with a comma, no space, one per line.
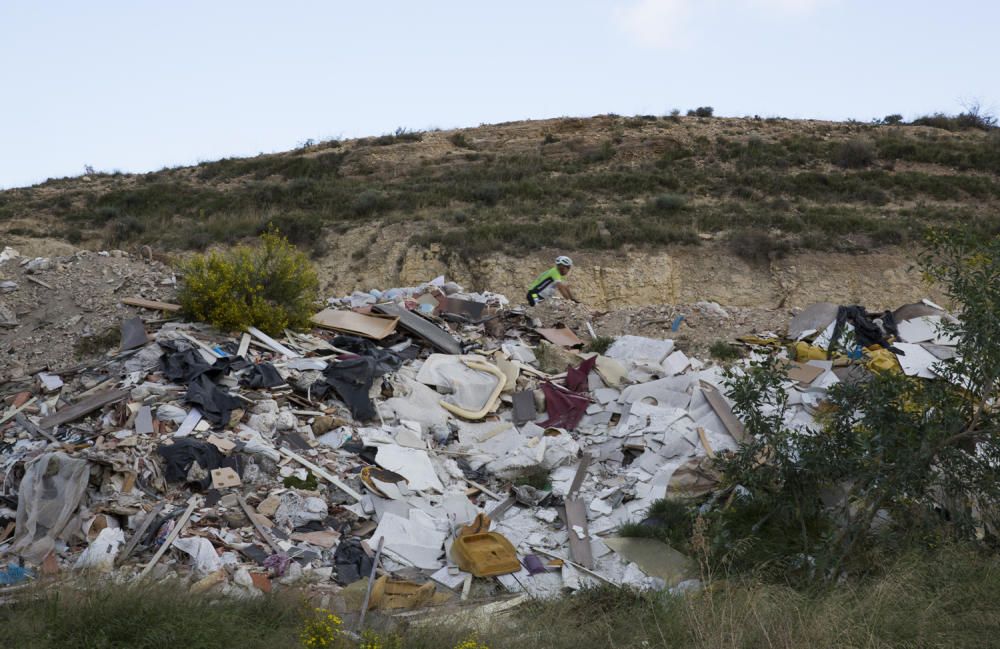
(375,327)
(803,373)
(562,336)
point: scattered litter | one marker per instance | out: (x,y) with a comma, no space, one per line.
(419,420)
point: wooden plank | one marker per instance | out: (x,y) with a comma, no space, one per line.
(10,415)
(421,327)
(581,474)
(575,565)
(273,344)
(576,516)
(139,533)
(264,534)
(709,451)
(174,533)
(371,583)
(143,303)
(491,494)
(27,425)
(8,531)
(83,408)
(321,472)
(375,327)
(497,512)
(244,345)
(38,281)
(202,346)
(725,413)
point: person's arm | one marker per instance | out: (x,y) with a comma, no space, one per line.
(566,291)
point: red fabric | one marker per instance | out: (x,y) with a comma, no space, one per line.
(565,409)
(576,377)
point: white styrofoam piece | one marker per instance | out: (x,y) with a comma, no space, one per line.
(676,363)
(916,361)
(413,464)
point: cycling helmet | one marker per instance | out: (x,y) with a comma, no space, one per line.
(563,260)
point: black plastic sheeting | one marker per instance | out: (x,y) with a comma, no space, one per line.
(183,366)
(869,328)
(179,456)
(352,378)
(264,375)
(351,561)
(189,367)
(386,360)
(216,405)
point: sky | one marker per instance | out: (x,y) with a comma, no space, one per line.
(140,85)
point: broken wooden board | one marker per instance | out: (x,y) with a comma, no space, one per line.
(803,373)
(421,327)
(193,503)
(375,327)
(244,345)
(273,344)
(733,425)
(576,526)
(155,305)
(83,408)
(562,336)
(321,472)
(139,534)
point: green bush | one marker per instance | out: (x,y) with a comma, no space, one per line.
(666,203)
(917,455)
(757,246)
(973,118)
(272,286)
(601,344)
(854,154)
(701,111)
(459,140)
(725,352)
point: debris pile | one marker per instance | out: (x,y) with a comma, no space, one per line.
(409,450)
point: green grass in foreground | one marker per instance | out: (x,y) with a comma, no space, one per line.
(948,599)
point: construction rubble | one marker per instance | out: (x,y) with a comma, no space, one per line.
(406,452)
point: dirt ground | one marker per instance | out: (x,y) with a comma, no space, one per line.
(68,308)
(59,302)
(703,323)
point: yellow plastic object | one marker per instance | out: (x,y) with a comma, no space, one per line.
(479,525)
(485,555)
(396,594)
(803,351)
(501,382)
(760,341)
(882,360)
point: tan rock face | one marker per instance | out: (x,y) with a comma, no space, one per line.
(614,279)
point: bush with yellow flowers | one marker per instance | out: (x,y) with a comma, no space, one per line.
(323,630)
(472,642)
(374,640)
(271,286)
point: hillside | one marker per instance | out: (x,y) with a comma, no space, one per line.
(744,211)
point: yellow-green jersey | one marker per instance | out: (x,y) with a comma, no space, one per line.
(544,286)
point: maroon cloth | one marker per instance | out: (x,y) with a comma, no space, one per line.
(576,377)
(565,409)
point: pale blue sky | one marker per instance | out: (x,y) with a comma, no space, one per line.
(139,85)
